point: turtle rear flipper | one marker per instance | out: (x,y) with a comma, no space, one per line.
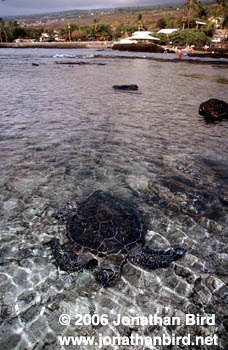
(152,259)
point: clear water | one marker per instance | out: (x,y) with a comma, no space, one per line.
(64,133)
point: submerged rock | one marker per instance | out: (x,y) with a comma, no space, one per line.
(214,109)
(10,341)
(126,87)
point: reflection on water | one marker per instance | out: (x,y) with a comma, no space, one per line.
(64,133)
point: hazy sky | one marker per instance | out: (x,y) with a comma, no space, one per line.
(24,7)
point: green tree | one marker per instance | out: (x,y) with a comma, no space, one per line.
(34,33)
(77,35)
(105,32)
(118,30)
(170,21)
(164,40)
(209,30)
(161,23)
(180,37)
(68,30)
(131,28)
(87,32)
(19,32)
(192,36)
(180,23)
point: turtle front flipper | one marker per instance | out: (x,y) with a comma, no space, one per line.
(152,259)
(66,260)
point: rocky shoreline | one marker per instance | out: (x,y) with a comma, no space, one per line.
(211,54)
(147,48)
(140,47)
(173,60)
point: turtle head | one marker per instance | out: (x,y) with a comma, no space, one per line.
(66,212)
(178,253)
(106,277)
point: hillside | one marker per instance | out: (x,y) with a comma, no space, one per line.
(126,16)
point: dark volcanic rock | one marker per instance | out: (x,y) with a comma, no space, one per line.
(80,63)
(139,47)
(125,87)
(214,109)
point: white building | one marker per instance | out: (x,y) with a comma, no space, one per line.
(141,36)
(167,31)
(44,37)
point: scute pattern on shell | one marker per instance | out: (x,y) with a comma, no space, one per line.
(105,224)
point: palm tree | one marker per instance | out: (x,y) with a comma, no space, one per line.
(1,28)
(195,7)
(189,6)
(222,3)
(199,9)
(140,22)
(95,26)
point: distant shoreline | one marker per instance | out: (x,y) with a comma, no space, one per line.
(59,45)
(215,56)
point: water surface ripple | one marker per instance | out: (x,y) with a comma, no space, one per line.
(64,133)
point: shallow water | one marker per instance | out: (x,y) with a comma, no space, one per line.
(64,133)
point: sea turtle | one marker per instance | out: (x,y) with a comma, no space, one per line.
(107,230)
